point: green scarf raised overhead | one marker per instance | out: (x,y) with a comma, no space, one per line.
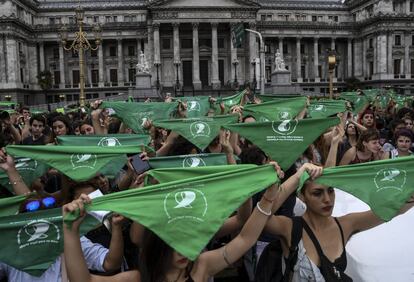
(383,185)
(197,106)
(187,213)
(172,174)
(31,242)
(230,101)
(111,169)
(195,160)
(359,102)
(278,109)
(134,115)
(326,108)
(11,205)
(78,163)
(109,140)
(28,169)
(372,93)
(270,97)
(199,131)
(284,141)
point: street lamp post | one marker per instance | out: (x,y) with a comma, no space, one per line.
(331,66)
(177,80)
(80,44)
(235,63)
(253,62)
(262,59)
(157,66)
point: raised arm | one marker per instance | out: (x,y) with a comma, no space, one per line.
(16,181)
(114,258)
(337,136)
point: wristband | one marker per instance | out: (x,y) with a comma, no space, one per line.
(262,211)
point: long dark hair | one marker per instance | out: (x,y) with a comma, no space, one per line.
(366,136)
(155,258)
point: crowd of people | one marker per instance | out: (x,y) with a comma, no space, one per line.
(128,251)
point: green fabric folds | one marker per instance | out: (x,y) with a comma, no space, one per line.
(383,185)
(278,109)
(197,106)
(31,242)
(326,108)
(359,102)
(187,213)
(284,141)
(195,160)
(78,163)
(108,140)
(28,169)
(172,174)
(230,101)
(134,114)
(199,131)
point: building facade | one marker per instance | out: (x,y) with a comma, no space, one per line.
(188,44)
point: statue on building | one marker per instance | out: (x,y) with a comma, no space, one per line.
(279,62)
(142,66)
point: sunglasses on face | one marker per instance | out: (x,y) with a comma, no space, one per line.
(35,205)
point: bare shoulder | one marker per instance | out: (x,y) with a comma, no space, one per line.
(281,226)
(127,276)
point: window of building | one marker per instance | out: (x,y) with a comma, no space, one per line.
(56,77)
(205,42)
(96,19)
(51,20)
(412,40)
(75,78)
(220,43)
(371,43)
(112,51)
(108,19)
(411,6)
(319,74)
(371,68)
(75,54)
(72,20)
(412,66)
(262,18)
(397,40)
(115,19)
(333,18)
(127,19)
(186,43)
(94,53)
(267,48)
(314,18)
(131,74)
(131,50)
(94,76)
(320,18)
(370,10)
(302,48)
(319,48)
(287,17)
(285,49)
(166,43)
(55,53)
(113,75)
(269,17)
(397,66)
(303,71)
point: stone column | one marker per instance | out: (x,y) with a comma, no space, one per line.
(150,54)
(333,45)
(196,59)
(253,53)
(407,7)
(390,62)
(214,57)
(375,55)
(233,57)
(358,58)
(3,68)
(62,66)
(11,60)
(32,63)
(349,58)
(120,64)
(407,61)
(298,61)
(364,58)
(281,46)
(176,35)
(316,60)
(382,56)
(157,52)
(101,73)
(41,56)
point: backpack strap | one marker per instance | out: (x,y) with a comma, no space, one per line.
(296,236)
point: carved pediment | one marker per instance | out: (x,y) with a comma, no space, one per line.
(197,4)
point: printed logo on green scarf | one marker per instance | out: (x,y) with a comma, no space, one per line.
(285,127)
(390,178)
(143,116)
(193,106)
(319,108)
(38,232)
(25,164)
(109,142)
(284,114)
(83,161)
(193,162)
(200,128)
(188,204)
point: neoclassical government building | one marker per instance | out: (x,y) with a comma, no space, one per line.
(189,42)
